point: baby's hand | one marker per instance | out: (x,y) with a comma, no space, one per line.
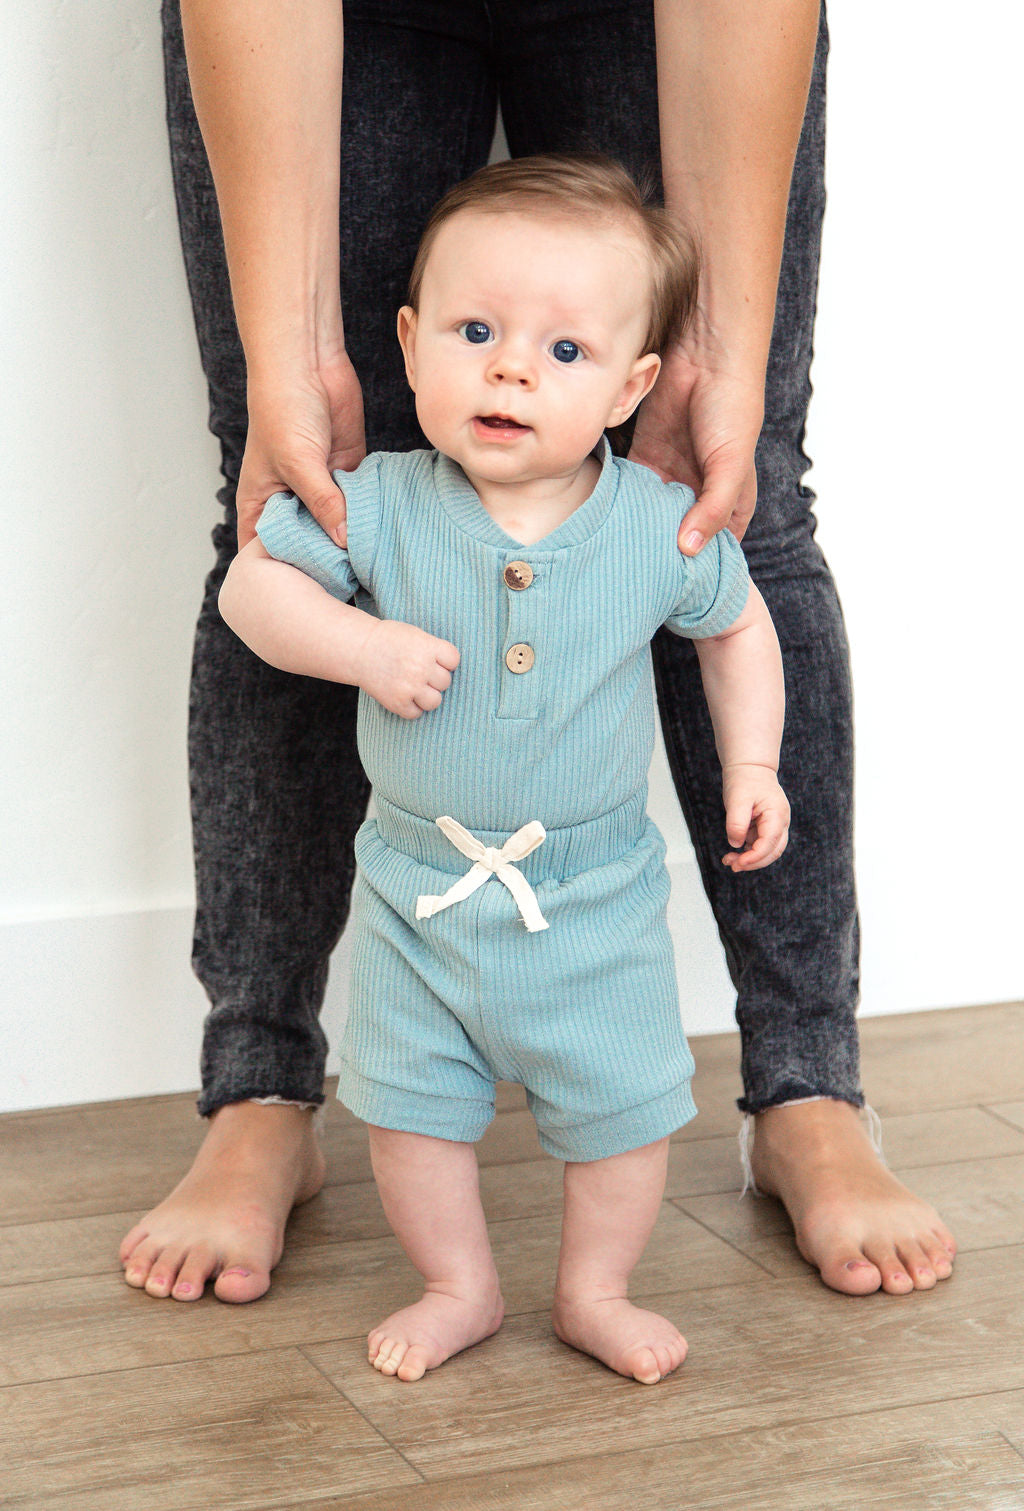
(756,817)
(407,670)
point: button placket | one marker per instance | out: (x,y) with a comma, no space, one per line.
(519,670)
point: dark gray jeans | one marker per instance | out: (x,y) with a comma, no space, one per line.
(277,788)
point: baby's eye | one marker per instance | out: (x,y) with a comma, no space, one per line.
(475,331)
(566,351)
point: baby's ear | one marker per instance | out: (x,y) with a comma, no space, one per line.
(407,340)
(637,386)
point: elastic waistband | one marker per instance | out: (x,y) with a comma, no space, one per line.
(564,853)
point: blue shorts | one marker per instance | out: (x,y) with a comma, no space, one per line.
(584,1015)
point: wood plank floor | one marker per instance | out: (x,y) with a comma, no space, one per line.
(793,1398)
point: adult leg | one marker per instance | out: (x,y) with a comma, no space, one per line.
(790,933)
(277,787)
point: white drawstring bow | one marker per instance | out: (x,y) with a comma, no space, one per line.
(488,862)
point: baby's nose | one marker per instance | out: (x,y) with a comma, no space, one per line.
(513,367)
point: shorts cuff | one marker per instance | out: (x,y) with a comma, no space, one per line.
(622,1131)
(462,1122)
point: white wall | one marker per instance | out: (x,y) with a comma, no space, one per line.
(108,499)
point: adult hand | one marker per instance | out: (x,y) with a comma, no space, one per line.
(699,425)
(300,428)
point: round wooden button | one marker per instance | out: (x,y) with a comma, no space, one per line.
(519,658)
(518,575)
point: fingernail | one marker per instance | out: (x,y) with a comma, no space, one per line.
(694,541)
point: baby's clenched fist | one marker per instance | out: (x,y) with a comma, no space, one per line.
(407,670)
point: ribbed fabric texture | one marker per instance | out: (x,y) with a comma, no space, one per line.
(585,1013)
(569,739)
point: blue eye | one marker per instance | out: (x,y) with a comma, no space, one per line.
(475,331)
(566,351)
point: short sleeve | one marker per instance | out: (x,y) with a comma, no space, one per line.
(290,533)
(715,587)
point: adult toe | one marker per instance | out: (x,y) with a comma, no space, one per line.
(895,1279)
(196,1268)
(164,1271)
(239,1282)
(851,1271)
(138,1261)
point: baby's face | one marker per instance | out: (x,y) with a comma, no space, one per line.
(525,344)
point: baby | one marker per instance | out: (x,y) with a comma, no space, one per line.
(507,585)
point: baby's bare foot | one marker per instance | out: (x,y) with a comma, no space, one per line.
(635,1343)
(228,1215)
(441,1324)
(854,1221)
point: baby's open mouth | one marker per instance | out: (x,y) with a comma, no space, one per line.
(500,422)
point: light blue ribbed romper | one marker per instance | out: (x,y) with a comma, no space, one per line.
(585,1013)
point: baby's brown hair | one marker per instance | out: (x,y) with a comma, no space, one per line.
(584,186)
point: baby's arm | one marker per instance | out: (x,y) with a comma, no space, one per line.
(742,673)
(296,625)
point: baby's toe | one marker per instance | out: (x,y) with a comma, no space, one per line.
(645,1366)
(388,1355)
(415,1363)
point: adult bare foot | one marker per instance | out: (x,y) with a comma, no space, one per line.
(440,1324)
(227,1217)
(640,1345)
(854,1221)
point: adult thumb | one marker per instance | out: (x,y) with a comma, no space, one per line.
(726,499)
(326,502)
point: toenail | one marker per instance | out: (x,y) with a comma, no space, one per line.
(858,1264)
(183,1289)
(243,1273)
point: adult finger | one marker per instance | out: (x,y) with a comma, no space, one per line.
(311,482)
(726,499)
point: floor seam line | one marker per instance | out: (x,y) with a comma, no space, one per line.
(359,1412)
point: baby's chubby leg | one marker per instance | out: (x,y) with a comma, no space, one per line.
(430,1191)
(610,1209)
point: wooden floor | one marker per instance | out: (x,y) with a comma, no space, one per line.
(793,1397)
